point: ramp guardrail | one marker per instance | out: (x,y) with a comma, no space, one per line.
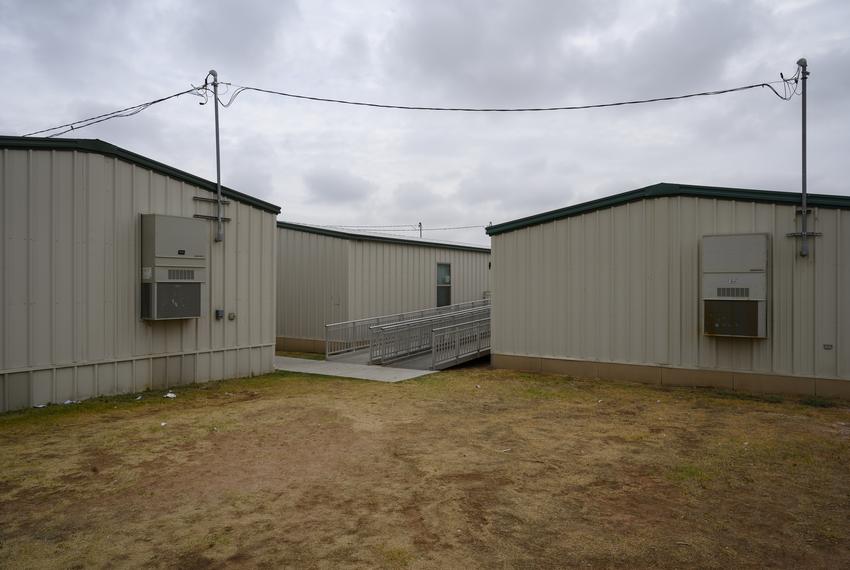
(455,344)
(349,336)
(399,340)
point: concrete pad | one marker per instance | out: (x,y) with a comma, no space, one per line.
(416,362)
(356,357)
(347,370)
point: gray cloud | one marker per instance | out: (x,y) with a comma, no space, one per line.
(351,165)
(485,52)
(334,185)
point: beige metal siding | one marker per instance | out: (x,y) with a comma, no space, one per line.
(69,316)
(386,278)
(622,285)
(312,283)
(324,279)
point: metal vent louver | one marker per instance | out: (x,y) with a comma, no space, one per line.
(181,275)
(733,292)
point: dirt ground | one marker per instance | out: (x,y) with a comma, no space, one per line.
(466,469)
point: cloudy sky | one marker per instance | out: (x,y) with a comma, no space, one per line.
(331,164)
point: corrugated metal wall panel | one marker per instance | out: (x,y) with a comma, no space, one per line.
(312,283)
(622,285)
(69,296)
(386,278)
(324,279)
(842,332)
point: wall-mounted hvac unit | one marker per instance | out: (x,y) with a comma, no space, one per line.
(734,285)
(174,265)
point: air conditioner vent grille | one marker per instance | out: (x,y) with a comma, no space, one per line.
(181,274)
(733,292)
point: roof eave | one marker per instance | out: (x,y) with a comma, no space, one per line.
(382,239)
(102,147)
(665,190)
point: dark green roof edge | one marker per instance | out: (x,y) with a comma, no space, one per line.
(383,239)
(105,148)
(666,189)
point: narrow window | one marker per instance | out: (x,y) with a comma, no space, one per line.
(444,284)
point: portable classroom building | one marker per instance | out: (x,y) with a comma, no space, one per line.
(329,276)
(638,287)
(72,277)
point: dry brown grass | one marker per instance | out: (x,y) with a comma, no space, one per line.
(467,469)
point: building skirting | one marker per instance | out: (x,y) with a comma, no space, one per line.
(23,388)
(670,376)
(300,345)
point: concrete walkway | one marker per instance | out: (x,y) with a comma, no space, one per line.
(417,362)
(347,370)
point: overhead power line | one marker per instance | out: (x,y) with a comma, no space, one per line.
(125,112)
(789,87)
(242,88)
(427,229)
(391,228)
(367,227)
(391,233)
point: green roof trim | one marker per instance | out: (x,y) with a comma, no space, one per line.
(382,239)
(101,147)
(666,190)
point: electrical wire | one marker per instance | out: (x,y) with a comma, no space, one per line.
(412,240)
(242,88)
(203,91)
(427,229)
(402,226)
(787,83)
(362,227)
(391,228)
(125,112)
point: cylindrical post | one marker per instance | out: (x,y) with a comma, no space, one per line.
(804,246)
(219,231)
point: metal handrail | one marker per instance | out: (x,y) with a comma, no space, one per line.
(458,343)
(400,340)
(461,325)
(348,336)
(429,319)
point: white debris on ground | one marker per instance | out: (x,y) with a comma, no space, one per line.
(170,394)
(162,424)
(139,397)
(67,402)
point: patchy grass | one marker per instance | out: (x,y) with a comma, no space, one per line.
(688,472)
(748,396)
(471,468)
(819,402)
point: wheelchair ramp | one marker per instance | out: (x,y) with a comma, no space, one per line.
(347,369)
(429,339)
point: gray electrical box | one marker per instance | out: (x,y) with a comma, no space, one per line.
(174,266)
(735,285)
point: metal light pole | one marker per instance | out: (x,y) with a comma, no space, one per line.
(420,230)
(219,232)
(804,246)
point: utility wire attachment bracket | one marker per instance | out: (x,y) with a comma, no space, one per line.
(799,211)
(214,218)
(210,200)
